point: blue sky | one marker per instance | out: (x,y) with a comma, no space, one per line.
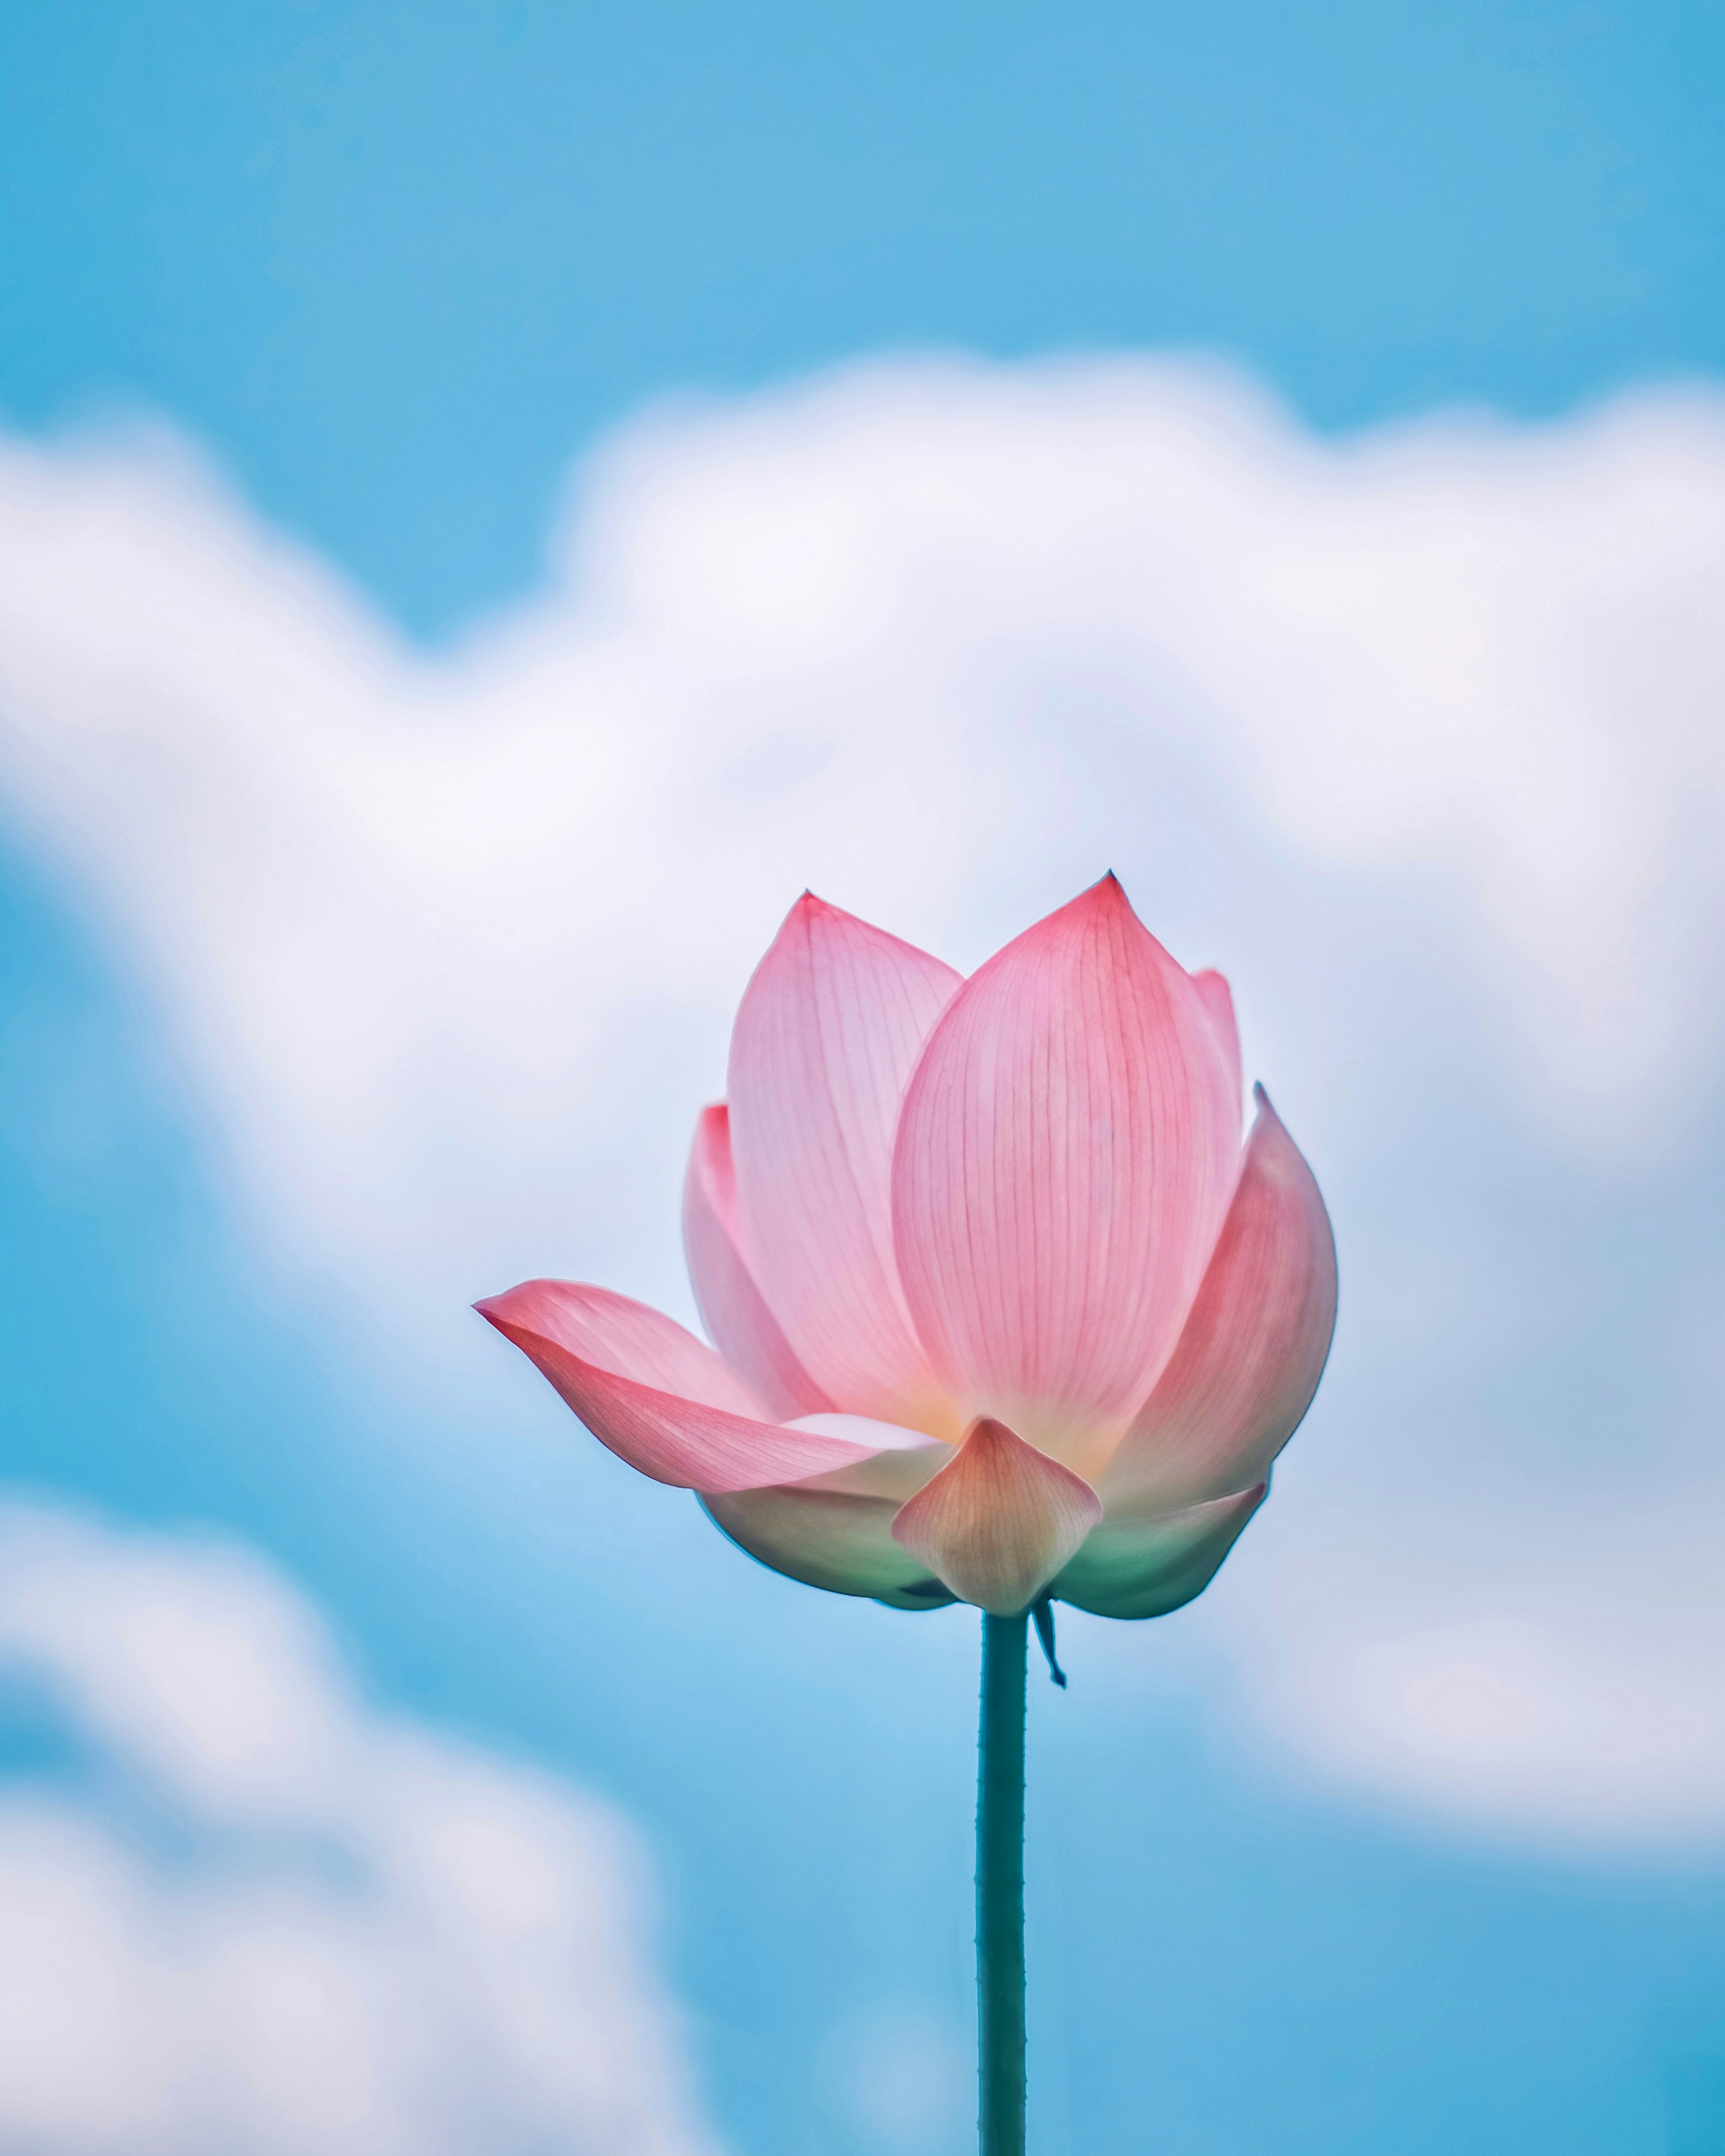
(395,271)
(400,265)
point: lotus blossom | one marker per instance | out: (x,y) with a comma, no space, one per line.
(1004,1303)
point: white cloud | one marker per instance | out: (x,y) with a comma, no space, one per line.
(1416,734)
(275,1922)
(1564,1697)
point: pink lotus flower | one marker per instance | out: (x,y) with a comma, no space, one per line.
(1002,1306)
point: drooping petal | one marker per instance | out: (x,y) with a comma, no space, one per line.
(732,1308)
(1217,999)
(1146,1564)
(1065,1155)
(658,1397)
(834,1539)
(628,1339)
(999,1521)
(827,1034)
(1253,1347)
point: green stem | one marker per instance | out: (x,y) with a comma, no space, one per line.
(1001,1887)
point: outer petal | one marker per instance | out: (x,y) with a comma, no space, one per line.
(732,1308)
(628,1338)
(1067,1150)
(1253,1348)
(657,1396)
(999,1522)
(829,1538)
(1147,1564)
(826,1036)
(1218,998)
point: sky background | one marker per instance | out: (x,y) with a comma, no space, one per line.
(493,501)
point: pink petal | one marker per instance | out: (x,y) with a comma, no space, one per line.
(1146,1565)
(1217,999)
(1253,1348)
(832,1539)
(628,1338)
(897,1465)
(656,1395)
(826,1036)
(1067,1152)
(999,1522)
(732,1308)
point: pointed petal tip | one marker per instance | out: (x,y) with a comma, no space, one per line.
(1049,1238)
(810,906)
(523,1307)
(1104,900)
(1265,1115)
(1106,895)
(805,910)
(826,1037)
(658,1397)
(1107,890)
(811,914)
(496,1309)
(1255,1343)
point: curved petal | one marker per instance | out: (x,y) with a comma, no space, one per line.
(1252,1349)
(826,1036)
(732,1308)
(1145,1565)
(629,1339)
(828,1538)
(1066,1153)
(999,1521)
(615,1360)
(1217,1000)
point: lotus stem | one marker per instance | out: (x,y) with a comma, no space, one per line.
(1001,1887)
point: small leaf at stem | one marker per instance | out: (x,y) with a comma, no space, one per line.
(1043,1614)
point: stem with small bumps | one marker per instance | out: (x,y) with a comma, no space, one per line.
(1001,1887)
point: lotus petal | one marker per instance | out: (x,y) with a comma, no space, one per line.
(1219,1002)
(999,1521)
(1252,1349)
(711,1433)
(1145,1565)
(731,1306)
(829,1030)
(829,1538)
(1067,1150)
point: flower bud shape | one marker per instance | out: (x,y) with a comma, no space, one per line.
(1003,1304)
